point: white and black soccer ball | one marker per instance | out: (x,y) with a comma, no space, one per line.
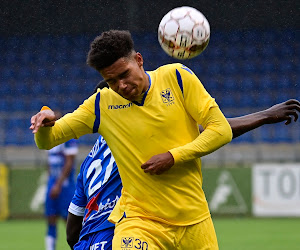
(183,32)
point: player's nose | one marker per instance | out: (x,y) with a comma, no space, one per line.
(122,84)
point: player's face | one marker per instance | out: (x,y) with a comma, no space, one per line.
(127,77)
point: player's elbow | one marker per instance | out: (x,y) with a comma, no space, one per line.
(227,133)
(41,145)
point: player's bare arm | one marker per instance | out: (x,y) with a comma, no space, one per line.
(56,189)
(286,111)
(74,226)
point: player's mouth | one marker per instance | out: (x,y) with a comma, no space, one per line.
(129,93)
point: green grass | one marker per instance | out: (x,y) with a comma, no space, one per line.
(28,235)
(256,234)
(233,234)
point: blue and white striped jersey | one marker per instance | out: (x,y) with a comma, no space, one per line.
(98,189)
(56,159)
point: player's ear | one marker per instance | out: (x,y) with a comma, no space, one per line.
(139,59)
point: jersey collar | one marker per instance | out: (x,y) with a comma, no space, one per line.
(145,94)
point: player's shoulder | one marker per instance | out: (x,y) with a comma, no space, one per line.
(169,67)
(174,68)
(107,93)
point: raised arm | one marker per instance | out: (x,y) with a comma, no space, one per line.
(49,133)
(285,111)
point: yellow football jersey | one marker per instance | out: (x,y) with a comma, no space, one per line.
(166,119)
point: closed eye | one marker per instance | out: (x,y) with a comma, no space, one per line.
(124,74)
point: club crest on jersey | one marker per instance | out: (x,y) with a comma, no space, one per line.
(127,242)
(167,96)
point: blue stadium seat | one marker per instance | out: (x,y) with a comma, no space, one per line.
(282,133)
(75,73)
(216,53)
(62,56)
(265,99)
(267,66)
(78,57)
(286,50)
(215,69)
(229,100)
(62,42)
(235,37)
(251,37)
(217,38)
(7,73)
(10,137)
(283,95)
(36,104)
(4,105)
(55,87)
(13,123)
(248,100)
(69,104)
(268,37)
(230,84)
(268,51)
(249,51)
(82,41)
(5,88)
(283,82)
(247,84)
(212,84)
(26,57)
(37,88)
(245,138)
(266,83)
(40,73)
(286,66)
(27,138)
(234,52)
(230,68)
(57,72)
(17,104)
(249,67)
(92,74)
(267,134)
(70,86)
(23,73)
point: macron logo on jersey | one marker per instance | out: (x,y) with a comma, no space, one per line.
(128,105)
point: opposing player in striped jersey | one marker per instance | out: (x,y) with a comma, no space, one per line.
(99,184)
(98,189)
(61,186)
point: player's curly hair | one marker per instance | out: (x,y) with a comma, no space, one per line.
(109,47)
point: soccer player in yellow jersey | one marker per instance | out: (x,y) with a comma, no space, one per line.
(150,122)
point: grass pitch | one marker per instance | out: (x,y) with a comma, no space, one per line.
(233,234)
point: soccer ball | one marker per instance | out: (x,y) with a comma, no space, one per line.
(183,32)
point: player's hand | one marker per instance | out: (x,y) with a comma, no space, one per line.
(44,118)
(55,191)
(158,163)
(285,111)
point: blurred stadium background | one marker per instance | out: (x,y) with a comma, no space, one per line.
(251,63)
